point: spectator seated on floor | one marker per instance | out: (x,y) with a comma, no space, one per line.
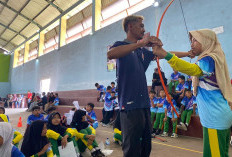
(35,142)
(58,135)
(7,149)
(50,111)
(33,102)
(170,115)
(91,115)
(2,111)
(57,100)
(174,81)
(85,134)
(43,101)
(101,90)
(36,115)
(17,135)
(188,109)
(180,90)
(48,105)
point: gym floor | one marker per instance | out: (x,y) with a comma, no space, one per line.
(178,147)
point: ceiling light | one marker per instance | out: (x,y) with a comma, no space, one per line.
(156,4)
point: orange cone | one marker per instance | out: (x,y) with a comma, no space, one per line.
(20,123)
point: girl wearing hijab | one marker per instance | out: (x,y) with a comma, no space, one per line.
(17,135)
(81,125)
(57,134)
(35,142)
(211,86)
(7,149)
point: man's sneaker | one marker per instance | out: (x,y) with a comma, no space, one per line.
(158,132)
(104,125)
(174,135)
(154,130)
(182,126)
(164,134)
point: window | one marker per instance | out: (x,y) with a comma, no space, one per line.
(45,85)
(114,9)
(75,30)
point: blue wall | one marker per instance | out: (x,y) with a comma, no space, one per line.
(81,63)
(4,89)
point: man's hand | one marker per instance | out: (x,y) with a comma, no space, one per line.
(149,41)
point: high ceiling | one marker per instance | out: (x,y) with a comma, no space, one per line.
(20,19)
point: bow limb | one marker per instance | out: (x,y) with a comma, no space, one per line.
(157,60)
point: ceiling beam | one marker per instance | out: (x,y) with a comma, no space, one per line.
(29,23)
(6,41)
(54,20)
(19,13)
(7,27)
(55,6)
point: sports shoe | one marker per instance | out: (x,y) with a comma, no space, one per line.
(174,135)
(158,132)
(231,142)
(97,153)
(182,126)
(164,134)
(104,125)
(154,130)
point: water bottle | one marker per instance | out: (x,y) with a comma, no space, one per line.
(107,142)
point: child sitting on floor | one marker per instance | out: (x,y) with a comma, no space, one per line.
(36,115)
(58,135)
(7,149)
(170,115)
(2,111)
(35,142)
(160,114)
(81,125)
(187,110)
(17,135)
(91,115)
(50,111)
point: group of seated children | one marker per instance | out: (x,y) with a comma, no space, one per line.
(45,101)
(163,112)
(43,137)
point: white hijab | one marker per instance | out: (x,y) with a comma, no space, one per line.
(6,132)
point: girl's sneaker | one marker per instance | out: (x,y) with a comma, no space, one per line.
(164,134)
(174,135)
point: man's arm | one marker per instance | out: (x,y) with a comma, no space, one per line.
(123,50)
